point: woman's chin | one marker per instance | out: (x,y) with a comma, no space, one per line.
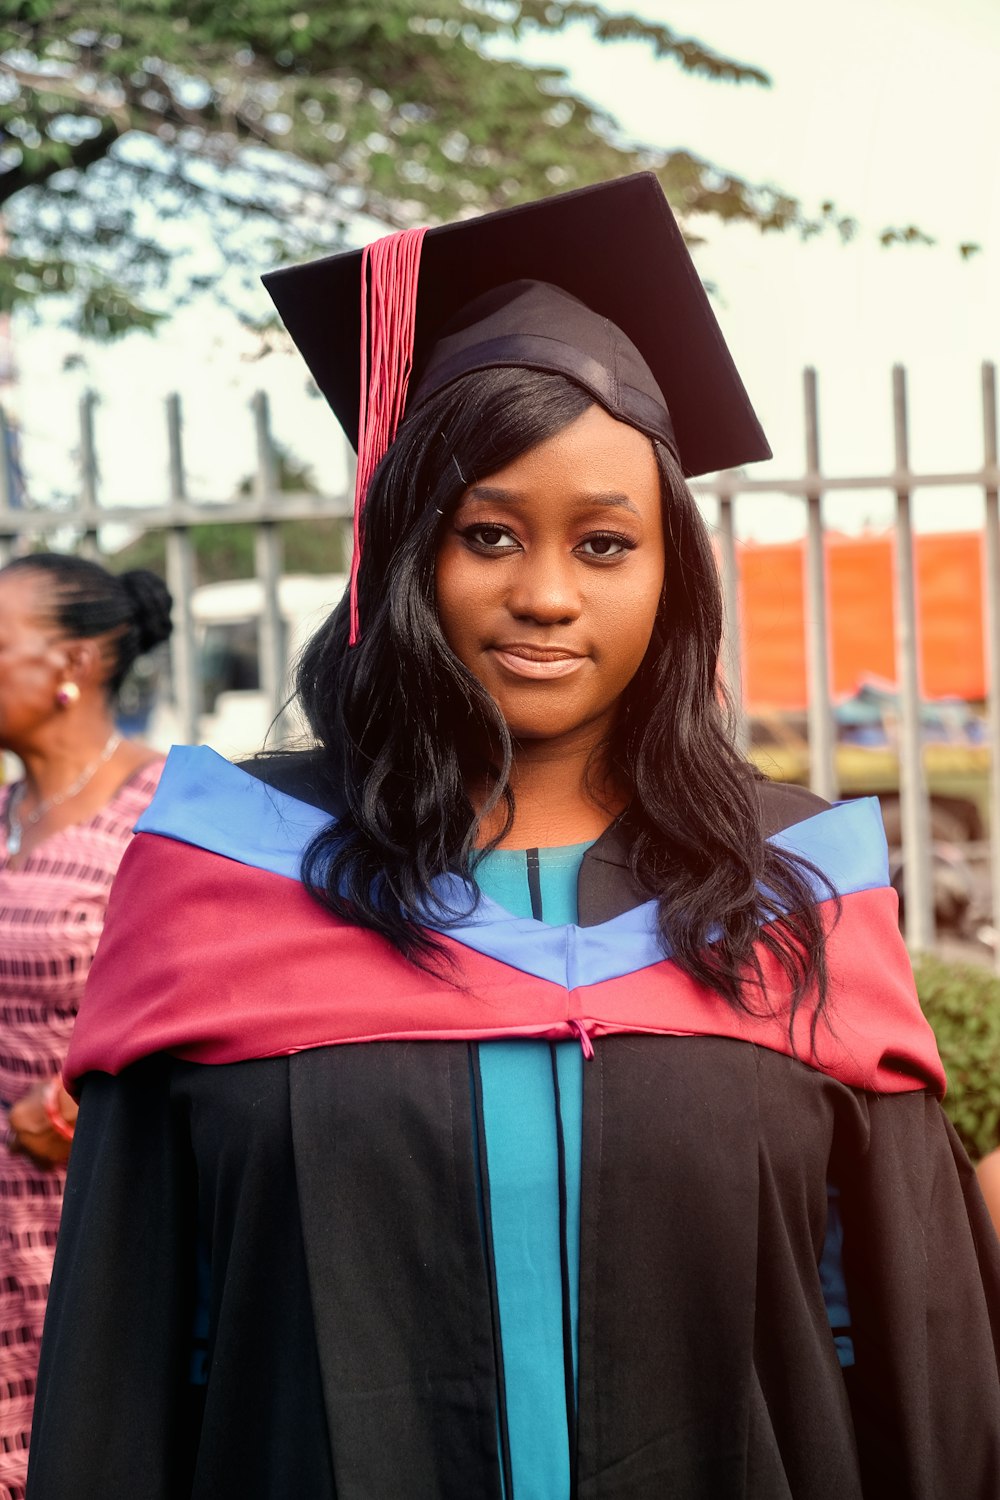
(531,727)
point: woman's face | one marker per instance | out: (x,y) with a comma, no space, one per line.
(32,659)
(549,575)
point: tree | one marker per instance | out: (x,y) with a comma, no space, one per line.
(273,121)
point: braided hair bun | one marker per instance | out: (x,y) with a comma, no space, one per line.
(151,604)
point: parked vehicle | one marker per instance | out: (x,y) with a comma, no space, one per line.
(235,716)
(866,758)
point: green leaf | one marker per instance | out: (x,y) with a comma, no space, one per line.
(267,122)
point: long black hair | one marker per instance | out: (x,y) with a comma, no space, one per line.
(401,718)
(129,612)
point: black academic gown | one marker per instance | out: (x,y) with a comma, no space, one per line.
(353,1345)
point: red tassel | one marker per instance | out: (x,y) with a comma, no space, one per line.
(389,273)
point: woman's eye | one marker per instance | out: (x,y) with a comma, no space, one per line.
(491,538)
(605,546)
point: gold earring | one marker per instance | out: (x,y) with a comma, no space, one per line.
(67,693)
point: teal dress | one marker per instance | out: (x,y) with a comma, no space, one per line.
(532,1092)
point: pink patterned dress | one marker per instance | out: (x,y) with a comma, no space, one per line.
(51,915)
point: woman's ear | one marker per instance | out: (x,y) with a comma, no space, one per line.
(83,662)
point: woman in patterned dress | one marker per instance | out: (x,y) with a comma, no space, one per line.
(69,631)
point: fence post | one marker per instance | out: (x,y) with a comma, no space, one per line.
(914,807)
(180,581)
(6,508)
(731,664)
(88,474)
(822,764)
(992,615)
(269,561)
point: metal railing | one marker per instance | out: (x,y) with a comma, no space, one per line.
(266,507)
(901,481)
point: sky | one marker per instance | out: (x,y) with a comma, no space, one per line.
(888,107)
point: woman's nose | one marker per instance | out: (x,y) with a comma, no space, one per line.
(545,589)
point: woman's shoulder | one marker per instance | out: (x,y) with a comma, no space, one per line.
(117,818)
(141,779)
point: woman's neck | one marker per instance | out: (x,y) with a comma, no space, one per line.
(560,797)
(55,759)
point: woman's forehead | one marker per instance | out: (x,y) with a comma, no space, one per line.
(594,461)
(26,597)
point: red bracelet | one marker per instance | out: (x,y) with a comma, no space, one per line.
(54,1114)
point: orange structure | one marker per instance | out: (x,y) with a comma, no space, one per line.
(860,581)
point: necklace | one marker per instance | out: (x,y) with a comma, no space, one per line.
(15,831)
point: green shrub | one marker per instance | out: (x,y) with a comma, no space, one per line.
(962,1003)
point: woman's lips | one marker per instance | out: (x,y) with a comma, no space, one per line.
(526,661)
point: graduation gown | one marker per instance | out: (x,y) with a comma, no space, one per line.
(255,1072)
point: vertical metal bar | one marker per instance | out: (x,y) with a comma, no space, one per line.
(914,805)
(268,552)
(180,581)
(731,665)
(822,765)
(992,591)
(6,507)
(88,474)
(269,564)
(266,477)
(175,449)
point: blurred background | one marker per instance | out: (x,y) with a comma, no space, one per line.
(837,173)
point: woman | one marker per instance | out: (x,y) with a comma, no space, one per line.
(518,1097)
(69,631)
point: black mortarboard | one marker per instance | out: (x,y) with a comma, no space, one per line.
(614,248)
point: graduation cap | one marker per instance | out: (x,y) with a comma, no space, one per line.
(596,284)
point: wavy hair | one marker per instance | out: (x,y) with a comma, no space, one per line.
(401,718)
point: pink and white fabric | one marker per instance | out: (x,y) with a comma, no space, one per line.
(51,917)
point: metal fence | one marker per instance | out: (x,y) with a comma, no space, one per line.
(901,482)
(267,507)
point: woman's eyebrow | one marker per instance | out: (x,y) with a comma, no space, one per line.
(496,495)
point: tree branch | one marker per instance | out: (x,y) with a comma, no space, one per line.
(63,87)
(81,156)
